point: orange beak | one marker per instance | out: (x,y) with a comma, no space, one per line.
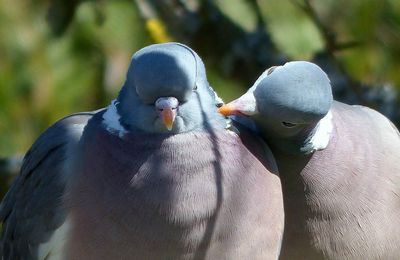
(229,110)
(167,108)
(168,117)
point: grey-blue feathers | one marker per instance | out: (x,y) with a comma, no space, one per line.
(287,102)
(298,92)
(168,70)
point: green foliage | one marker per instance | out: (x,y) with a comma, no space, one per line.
(291,29)
(48,73)
(240,12)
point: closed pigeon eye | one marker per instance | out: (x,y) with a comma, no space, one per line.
(288,125)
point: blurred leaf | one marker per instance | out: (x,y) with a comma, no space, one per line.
(240,12)
(292,31)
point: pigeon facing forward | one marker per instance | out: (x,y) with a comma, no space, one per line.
(155,175)
(338,165)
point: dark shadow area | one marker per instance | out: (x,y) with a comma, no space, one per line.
(295,206)
(205,243)
(257,147)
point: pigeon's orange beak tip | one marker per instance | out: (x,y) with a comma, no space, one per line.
(227,110)
(168,118)
(169,125)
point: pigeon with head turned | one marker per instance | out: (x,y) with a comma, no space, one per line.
(338,165)
(155,175)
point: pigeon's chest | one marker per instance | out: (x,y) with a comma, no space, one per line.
(159,198)
(156,176)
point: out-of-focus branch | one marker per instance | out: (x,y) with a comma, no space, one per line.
(257,10)
(329,36)
(226,46)
(60,14)
(331,46)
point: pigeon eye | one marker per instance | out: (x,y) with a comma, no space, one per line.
(270,70)
(195,87)
(288,125)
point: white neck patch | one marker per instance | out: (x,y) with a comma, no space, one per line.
(111,120)
(322,134)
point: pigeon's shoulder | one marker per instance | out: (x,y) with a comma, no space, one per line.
(366,120)
(32,209)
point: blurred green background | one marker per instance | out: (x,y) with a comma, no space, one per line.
(58,57)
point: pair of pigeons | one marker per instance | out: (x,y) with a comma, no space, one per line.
(163,173)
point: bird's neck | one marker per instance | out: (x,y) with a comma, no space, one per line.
(111,120)
(313,137)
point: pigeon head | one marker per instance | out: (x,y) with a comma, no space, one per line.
(166,90)
(286,101)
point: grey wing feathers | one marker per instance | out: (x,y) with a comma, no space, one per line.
(32,208)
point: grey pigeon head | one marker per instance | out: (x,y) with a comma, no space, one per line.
(166,91)
(287,102)
(298,93)
(286,98)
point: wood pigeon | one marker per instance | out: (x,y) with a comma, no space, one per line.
(155,175)
(339,165)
